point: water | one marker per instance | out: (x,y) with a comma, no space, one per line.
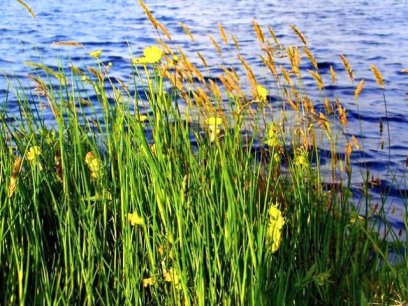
(365,31)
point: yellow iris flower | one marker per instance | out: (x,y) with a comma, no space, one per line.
(149,282)
(213,123)
(142,118)
(262,93)
(33,153)
(171,276)
(151,55)
(301,160)
(96,53)
(273,139)
(33,156)
(94,165)
(214,134)
(135,219)
(275,225)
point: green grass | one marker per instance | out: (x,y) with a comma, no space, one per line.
(202,236)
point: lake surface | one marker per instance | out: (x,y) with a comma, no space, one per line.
(366,32)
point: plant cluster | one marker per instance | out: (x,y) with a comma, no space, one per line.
(215,195)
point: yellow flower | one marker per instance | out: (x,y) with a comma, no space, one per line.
(213,134)
(275,217)
(33,153)
(149,282)
(171,276)
(272,142)
(262,93)
(213,121)
(273,139)
(94,164)
(151,55)
(142,118)
(272,130)
(301,159)
(276,240)
(153,149)
(96,53)
(33,156)
(135,219)
(275,225)
(356,218)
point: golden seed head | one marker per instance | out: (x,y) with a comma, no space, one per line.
(359,88)
(258,31)
(222,33)
(187,31)
(299,34)
(310,57)
(333,75)
(347,66)
(378,76)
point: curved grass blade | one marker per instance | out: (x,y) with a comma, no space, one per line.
(25,5)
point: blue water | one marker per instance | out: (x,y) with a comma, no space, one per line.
(365,31)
